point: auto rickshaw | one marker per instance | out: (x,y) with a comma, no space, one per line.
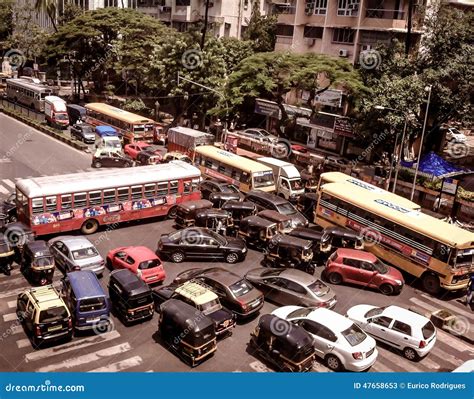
(306,204)
(19,234)
(186,212)
(239,210)
(339,237)
(9,209)
(257,231)
(218,199)
(7,255)
(188,332)
(285,345)
(313,234)
(283,222)
(217,220)
(287,251)
(37,263)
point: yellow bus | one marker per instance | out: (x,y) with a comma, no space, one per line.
(339,177)
(132,127)
(244,173)
(439,253)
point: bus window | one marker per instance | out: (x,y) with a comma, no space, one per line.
(245,178)
(79,200)
(162,189)
(95,198)
(51,204)
(37,205)
(195,185)
(109,196)
(66,201)
(137,192)
(208,163)
(123,193)
(188,188)
(149,190)
(174,187)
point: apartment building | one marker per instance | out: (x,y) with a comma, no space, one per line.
(344,28)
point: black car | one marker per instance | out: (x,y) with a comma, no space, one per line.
(108,158)
(208,187)
(265,200)
(148,158)
(9,209)
(83,132)
(202,244)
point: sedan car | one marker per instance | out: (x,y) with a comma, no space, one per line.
(201,244)
(109,158)
(141,261)
(83,132)
(337,340)
(148,158)
(363,268)
(410,332)
(292,287)
(259,134)
(235,292)
(133,149)
(207,187)
(76,253)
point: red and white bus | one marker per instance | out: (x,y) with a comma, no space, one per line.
(84,201)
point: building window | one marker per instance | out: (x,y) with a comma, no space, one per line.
(343,35)
(285,30)
(313,32)
(184,3)
(320,7)
(348,8)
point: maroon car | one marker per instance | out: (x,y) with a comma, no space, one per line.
(363,268)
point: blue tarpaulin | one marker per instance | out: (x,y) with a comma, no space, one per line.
(433,164)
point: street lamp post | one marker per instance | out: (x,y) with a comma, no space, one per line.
(399,155)
(428,89)
(157,110)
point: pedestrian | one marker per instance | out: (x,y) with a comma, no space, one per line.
(470,290)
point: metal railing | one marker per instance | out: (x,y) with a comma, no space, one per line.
(283,9)
(384,14)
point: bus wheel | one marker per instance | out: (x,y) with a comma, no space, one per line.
(431,283)
(172,212)
(89,226)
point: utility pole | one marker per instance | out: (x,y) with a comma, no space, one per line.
(409,25)
(204,29)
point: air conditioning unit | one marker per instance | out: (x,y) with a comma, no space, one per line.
(366,47)
(309,8)
(310,41)
(343,52)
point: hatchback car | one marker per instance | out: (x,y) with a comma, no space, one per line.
(83,132)
(234,291)
(148,158)
(201,244)
(207,187)
(270,201)
(410,332)
(455,135)
(111,159)
(337,340)
(176,156)
(133,149)
(141,261)
(363,268)
(292,287)
(76,253)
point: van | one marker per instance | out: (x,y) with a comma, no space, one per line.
(107,137)
(288,181)
(87,301)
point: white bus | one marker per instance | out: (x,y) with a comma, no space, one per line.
(28,91)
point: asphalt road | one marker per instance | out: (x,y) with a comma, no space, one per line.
(139,348)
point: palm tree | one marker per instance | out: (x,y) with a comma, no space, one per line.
(50,8)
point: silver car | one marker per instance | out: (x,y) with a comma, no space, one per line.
(292,287)
(76,252)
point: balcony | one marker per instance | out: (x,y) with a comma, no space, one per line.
(286,12)
(382,19)
(384,14)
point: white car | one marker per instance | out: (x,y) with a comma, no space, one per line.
(410,332)
(466,367)
(455,135)
(336,339)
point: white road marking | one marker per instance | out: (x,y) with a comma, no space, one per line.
(446,356)
(11,293)
(23,343)
(149,371)
(11,304)
(3,190)
(379,367)
(399,360)
(8,182)
(9,317)
(453,342)
(119,366)
(428,362)
(86,359)
(16,329)
(260,367)
(71,346)
(424,305)
(447,305)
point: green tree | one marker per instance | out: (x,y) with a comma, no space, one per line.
(235,51)
(6,19)
(71,11)
(261,30)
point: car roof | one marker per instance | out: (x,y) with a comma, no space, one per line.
(405,315)
(222,276)
(297,276)
(234,204)
(290,241)
(212,212)
(197,204)
(273,215)
(356,254)
(46,294)
(74,242)
(333,320)
(196,292)
(341,231)
(268,196)
(140,252)
(257,221)
(85,284)
(130,282)
(38,246)
(306,233)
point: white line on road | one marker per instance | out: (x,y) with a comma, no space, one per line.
(398,360)
(119,366)
(454,342)
(11,293)
(3,190)
(23,343)
(424,305)
(11,304)
(9,317)
(379,367)
(447,305)
(71,346)
(259,367)
(8,182)
(86,359)
(446,356)
(427,362)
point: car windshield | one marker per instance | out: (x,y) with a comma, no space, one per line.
(44,261)
(241,288)
(465,258)
(296,184)
(286,209)
(90,304)
(303,312)
(151,148)
(271,273)
(318,287)
(84,253)
(61,117)
(354,335)
(11,199)
(87,130)
(220,240)
(138,301)
(149,264)
(428,330)
(210,307)
(229,188)
(263,179)
(374,312)
(53,314)
(381,267)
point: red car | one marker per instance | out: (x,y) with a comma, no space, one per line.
(363,268)
(141,261)
(132,150)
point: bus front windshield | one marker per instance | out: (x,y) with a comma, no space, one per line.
(263,179)
(465,258)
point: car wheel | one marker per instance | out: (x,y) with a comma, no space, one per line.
(172,212)
(333,363)
(431,283)
(387,289)
(97,164)
(410,354)
(89,226)
(127,165)
(231,257)
(177,257)
(109,265)
(335,278)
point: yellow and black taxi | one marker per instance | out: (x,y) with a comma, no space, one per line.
(44,315)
